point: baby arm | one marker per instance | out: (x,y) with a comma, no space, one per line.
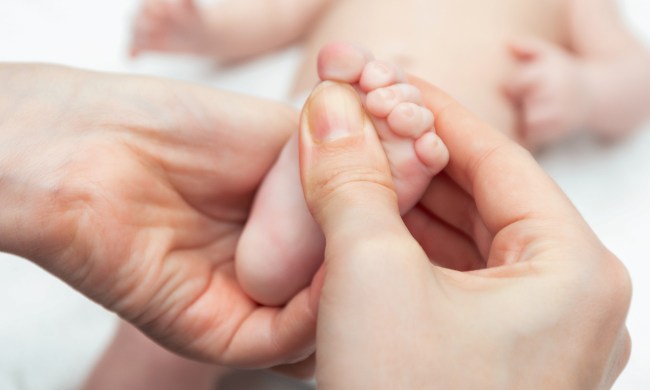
(599,83)
(616,67)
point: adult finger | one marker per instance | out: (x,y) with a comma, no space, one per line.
(445,200)
(375,273)
(273,336)
(345,173)
(444,245)
(506,182)
(349,190)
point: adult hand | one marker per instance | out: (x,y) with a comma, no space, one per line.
(135,191)
(543,306)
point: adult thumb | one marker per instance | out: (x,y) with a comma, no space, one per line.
(375,275)
(345,173)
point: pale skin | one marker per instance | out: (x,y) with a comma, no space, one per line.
(548,311)
(416,154)
(134,191)
(133,361)
(548,69)
(601,76)
(532,48)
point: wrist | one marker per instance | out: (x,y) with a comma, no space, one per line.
(28,197)
(28,187)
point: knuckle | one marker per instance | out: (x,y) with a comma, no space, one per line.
(608,286)
(354,182)
(380,245)
(619,281)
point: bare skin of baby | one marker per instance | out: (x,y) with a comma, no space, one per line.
(565,65)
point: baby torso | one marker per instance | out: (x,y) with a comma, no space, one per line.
(459,45)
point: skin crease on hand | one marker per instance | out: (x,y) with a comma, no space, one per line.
(134,191)
(548,311)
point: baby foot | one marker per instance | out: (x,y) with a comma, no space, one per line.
(405,127)
(282,246)
(169,26)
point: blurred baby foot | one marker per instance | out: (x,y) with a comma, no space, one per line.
(169,26)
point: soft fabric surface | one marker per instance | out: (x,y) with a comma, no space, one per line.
(50,335)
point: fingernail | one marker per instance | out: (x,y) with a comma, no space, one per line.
(334,112)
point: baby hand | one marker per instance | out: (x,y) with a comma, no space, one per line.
(549,89)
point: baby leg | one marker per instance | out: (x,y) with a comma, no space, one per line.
(133,362)
(169,26)
(228,30)
(282,247)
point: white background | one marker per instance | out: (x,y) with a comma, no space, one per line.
(50,335)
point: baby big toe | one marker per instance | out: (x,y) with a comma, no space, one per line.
(342,62)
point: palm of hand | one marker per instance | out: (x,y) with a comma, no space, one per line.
(149,205)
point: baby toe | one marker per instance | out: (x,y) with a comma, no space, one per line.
(381,102)
(343,62)
(432,152)
(379,74)
(410,120)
